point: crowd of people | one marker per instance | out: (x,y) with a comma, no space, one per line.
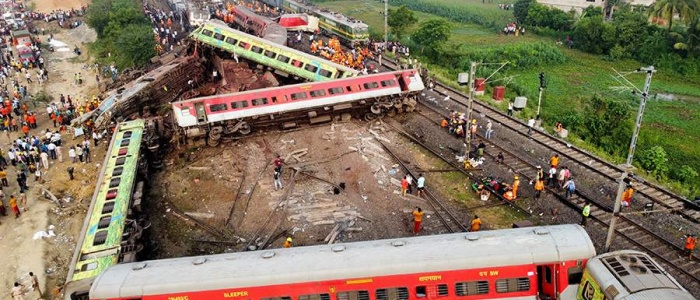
(332,50)
(164,28)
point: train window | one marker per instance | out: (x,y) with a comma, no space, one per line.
(400,293)
(389,82)
(124,142)
(270,54)
(315,297)
(370,85)
(257,49)
(512,285)
(114,182)
(299,96)
(353,295)
(207,32)
(100,238)
(219,36)
(231,41)
(239,104)
(104,222)
(259,101)
(123,151)
(325,73)
(442,290)
(472,288)
(243,45)
(127,134)
(336,90)
(317,93)
(277,298)
(108,207)
(117,171)
(575,275)
(283,58)
(421,291)
(297,63)
(218,107)
(311,68)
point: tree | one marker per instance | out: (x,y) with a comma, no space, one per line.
(609,8)
(521,8)
(432,35)
(606,123)
(400,20)
(685,174)
(687,10)
(98,15)
(654,160)
(594,35)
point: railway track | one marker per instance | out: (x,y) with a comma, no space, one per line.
(447,218)
(648,190)
(634,233)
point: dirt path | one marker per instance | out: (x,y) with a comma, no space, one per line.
(46,6)
(48,258)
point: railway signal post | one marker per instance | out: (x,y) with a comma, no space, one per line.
(630,155)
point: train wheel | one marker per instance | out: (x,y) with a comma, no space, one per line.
(370,116)
(245,129)
(376,108)
(213,143)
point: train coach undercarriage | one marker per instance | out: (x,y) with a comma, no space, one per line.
(368,109)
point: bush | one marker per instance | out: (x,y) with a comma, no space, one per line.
(654,160)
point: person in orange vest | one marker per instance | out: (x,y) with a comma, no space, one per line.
(288,243)
(417,219)
(516,185)
(444,123)
(554,161)
(627,196)
(32,121)
(690,241)
(476,224)
(539,187)
(25,129)
(509,195)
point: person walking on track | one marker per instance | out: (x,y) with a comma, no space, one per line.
(690,241)
(585,213)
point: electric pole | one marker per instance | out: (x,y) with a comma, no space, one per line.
(472,89)
(630,155)
(386,23)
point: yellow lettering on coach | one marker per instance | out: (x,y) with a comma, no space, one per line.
(488,273)
(235,294)
(430,278)
(179,298)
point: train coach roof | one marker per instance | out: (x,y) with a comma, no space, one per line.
(342,261)
(634,276)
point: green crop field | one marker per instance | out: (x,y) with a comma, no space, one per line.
(672,125)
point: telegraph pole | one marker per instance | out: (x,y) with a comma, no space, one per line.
(543,84)
(630,155)
(470,100)
(386,23)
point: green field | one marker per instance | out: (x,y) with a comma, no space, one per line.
(672,125)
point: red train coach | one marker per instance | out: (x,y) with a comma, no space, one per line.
(237,112)
(525,263)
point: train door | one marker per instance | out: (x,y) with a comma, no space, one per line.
(201,113)
(402,82)
(547,285)
(425,292)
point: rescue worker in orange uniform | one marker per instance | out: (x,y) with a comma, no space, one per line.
(516,185)
(554,161)
(627,196)
(444,123)
(690,241)
(539,187)
(288,243)
(476,224)
(509,195)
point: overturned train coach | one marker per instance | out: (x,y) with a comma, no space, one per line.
(286,107)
